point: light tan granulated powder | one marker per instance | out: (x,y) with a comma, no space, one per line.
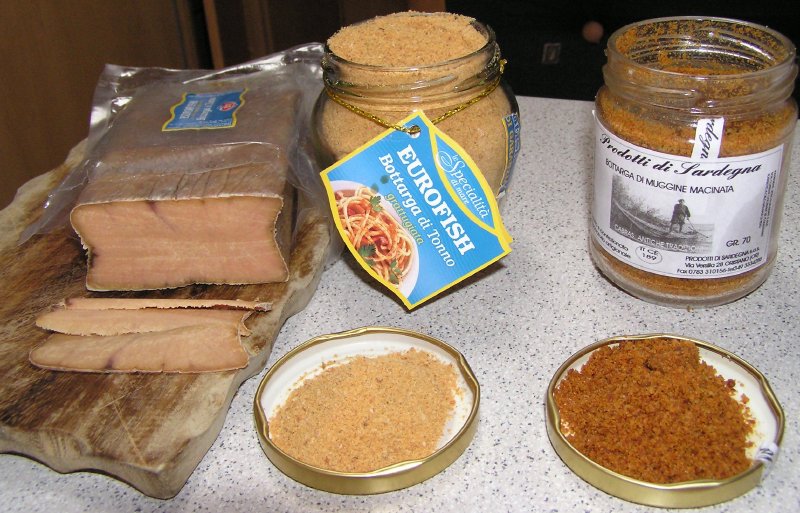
(404,39)
(367,413)
(417,61)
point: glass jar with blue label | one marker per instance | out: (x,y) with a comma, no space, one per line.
(448,66)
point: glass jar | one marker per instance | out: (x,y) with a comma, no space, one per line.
(478,109)
(694,127)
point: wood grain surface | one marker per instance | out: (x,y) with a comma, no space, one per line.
(148,430)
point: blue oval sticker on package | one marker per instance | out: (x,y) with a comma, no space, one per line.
(205,110)
(415,211)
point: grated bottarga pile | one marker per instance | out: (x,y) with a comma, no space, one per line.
(367,413)
(652,410)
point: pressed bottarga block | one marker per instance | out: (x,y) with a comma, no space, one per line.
(168,208)
(136,245)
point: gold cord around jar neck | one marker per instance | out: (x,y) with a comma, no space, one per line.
(414,129)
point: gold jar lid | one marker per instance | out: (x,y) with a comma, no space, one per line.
(307,359)
(766,436)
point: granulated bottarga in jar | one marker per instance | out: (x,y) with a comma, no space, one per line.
(691,153)
(447,65)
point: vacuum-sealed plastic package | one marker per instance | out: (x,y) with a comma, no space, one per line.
(192,176)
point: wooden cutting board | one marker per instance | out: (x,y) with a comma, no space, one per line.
(148,430)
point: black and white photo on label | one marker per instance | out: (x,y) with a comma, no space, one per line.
(659,219)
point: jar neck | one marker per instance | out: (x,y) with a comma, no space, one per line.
(437,85)
(700,65)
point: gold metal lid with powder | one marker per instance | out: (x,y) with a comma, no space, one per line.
(766,436)
(307,360)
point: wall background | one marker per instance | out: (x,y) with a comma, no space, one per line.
(52,51)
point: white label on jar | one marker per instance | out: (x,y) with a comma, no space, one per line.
(767,454)
(708,138)
(683,217)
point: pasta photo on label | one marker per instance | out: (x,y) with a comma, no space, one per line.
(375,230)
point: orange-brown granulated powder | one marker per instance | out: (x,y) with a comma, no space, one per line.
(652,410)
(368,413)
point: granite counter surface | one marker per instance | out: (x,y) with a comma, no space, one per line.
(515,323)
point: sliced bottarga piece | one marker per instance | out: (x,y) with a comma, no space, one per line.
(144,320)
(189,349)
(168,208)
(110,303)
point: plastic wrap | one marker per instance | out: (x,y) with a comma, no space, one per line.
(272,124)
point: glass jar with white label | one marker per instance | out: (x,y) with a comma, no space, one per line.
(693,136)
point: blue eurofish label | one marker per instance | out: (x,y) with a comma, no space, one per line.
(205,110)
(415,211)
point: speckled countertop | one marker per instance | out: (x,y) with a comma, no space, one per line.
(515,324)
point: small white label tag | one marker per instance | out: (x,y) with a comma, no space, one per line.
(767,454)
(708,138)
